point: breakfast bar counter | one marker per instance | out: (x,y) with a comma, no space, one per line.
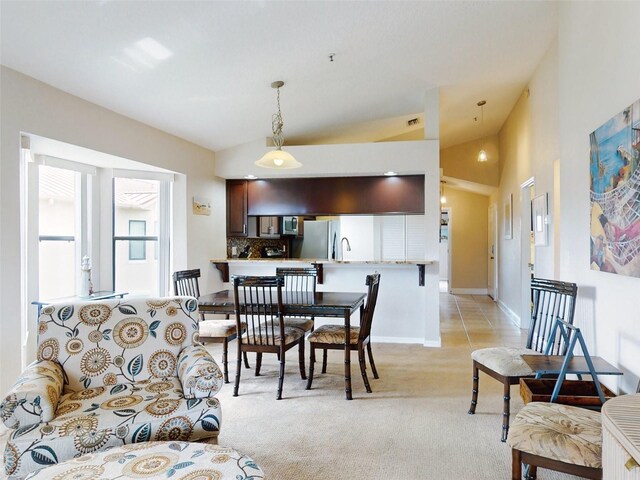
(401,311)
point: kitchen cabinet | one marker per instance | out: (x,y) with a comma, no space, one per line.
(237,208)
(269,227)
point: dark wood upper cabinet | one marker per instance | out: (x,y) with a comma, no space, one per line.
(237,208)
(337,196)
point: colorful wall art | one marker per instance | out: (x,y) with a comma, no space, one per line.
(615,194)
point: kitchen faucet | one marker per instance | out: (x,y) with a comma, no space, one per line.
(342,247)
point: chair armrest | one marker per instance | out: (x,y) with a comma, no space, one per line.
(34,397)
(199,373)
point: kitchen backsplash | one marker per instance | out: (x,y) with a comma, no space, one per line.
(255,245)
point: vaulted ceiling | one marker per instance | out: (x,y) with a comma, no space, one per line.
(202,70)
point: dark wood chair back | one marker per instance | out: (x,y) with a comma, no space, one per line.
(552,299)
(298,279)
(373,282)
(185,282)
(261,309)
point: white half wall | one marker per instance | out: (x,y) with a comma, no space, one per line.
(414,157)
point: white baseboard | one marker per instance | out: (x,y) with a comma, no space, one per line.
(396,340)
(433,343)
(512,315)
(469,291)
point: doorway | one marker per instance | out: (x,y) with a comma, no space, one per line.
(445,258)
(492,271)
(527,248)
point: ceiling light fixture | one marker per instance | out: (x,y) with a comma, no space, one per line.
(278,158)
(482,155)
(443,199)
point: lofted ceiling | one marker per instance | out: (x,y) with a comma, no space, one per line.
(212,83)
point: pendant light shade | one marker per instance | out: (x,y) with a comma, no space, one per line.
(482,155)
(278,158)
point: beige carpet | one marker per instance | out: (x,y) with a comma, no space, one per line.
(413,426)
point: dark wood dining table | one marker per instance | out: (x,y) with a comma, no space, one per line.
(321,304)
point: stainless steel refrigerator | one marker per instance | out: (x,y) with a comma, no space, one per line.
(321,240)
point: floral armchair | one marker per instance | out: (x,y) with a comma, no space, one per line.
(111,373)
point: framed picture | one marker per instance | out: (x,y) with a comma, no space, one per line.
(508,217)
(539,211)
(201,206)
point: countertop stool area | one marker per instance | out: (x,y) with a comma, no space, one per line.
(175,460)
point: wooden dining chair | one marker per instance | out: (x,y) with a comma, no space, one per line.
(299,287)
(551,300)
(258,305)
(333,337)
(185,282)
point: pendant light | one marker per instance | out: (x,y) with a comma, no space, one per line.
(482,155)
(278,158)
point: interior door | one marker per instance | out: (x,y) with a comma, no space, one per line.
(493,237)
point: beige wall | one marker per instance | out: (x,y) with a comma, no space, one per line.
(30,106)
(468,242)
(461,161)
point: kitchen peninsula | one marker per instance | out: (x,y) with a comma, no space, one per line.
(402,302)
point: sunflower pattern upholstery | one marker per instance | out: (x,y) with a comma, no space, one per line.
(111,373)
(177,460)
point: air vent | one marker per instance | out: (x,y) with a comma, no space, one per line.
(413,121)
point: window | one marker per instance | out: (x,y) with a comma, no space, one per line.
(58,200)
(141,226)
(137,248)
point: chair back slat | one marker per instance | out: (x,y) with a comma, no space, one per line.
(258,300)
(552,299)
(373,282)
(299,284)
(185,282)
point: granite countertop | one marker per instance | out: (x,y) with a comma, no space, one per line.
(324,261)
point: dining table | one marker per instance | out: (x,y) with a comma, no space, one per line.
(317,304)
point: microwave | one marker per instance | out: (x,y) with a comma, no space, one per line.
(291,225)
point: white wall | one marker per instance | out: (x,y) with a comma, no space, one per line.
(416,157)
(599,72)
(529,146)
(30,106)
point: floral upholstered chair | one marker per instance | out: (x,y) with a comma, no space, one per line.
(111,373)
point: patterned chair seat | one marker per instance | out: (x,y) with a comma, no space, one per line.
(302,323)
(177,460)
(264,336)
(217,328)
(560,432)
(506,361)
(334,334)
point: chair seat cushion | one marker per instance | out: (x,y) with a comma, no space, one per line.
(217,328)
(264,336)
(506,361)
(303,323)
(157,460)
(561,432)
(90,420)
(334,334)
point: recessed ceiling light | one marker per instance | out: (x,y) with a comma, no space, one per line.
(250,177)
(390,173)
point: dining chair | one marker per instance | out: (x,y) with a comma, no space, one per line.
(333,337)
(299,287)
(259,306)
(185,282)
(551,299)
